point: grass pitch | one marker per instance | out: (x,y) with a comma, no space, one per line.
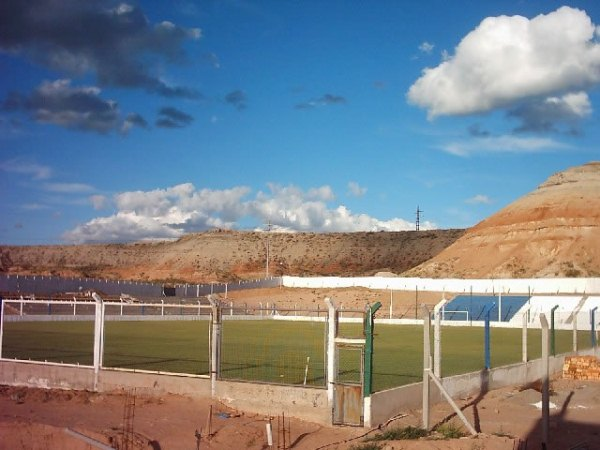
(269,351)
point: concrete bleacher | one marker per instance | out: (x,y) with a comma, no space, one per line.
(569,310)
(473,307)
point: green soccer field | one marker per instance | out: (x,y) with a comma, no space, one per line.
(267,350)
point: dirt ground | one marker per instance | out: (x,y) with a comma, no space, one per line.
(403,303)
(507,418)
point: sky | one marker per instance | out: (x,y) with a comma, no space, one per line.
(126,121)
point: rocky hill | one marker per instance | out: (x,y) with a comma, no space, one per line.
(228,255)
(553,231)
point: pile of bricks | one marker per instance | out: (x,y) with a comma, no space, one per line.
(581,368)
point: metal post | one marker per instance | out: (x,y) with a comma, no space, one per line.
(368,362)
(575,332)
(215,340)
(593,326)
(487,343)
(437,338)
(500,306)
(391,302)
(98,338)
(524,336)
(416,301)
(545,381)
(426,366)
(1,323)
(162,307)
(552,332)
(332,330)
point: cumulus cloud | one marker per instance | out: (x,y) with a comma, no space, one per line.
(324,100)
(237,99)
(502,144)
(99,201)
(170,117)
(118,45)
(355,189)
(479,199)
(174,211)
(549,113)
(507,60)
(59,103)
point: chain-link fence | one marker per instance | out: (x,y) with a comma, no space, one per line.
(255,348)
(27,334)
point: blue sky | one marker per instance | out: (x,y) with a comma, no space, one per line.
(122,121)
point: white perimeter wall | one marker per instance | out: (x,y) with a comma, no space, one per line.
(477,286)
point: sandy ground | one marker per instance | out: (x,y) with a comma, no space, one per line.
(403,303)
(38,419)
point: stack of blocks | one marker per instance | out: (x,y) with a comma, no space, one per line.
(581,368)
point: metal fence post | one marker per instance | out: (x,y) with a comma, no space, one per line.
(1,324)
(98,337)
(368,364)
(487,343)
(332,330)
(552,332)
(593,326)
(524,335)
(575,316)
(426,366)
(545,381)
(437,338)
(215,341)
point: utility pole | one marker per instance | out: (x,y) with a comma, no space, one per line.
(418,222)
(269,226)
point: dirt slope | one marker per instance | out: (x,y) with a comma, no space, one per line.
(553,231)
(228,255)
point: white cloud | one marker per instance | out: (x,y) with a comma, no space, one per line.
(426,47)
(68,188)
(174,211)
(502,144)
(546,114)
(18,166)
(509,59)
(99,201)
(479,199)
(355,189)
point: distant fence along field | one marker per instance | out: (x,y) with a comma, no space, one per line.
(266,350)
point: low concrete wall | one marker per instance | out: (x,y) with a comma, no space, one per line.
(388,403)
(153,384)
(46,375)
(480,286)
(295,401)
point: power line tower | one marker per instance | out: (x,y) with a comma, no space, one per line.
(418,221)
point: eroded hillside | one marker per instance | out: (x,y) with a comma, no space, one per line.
(553,231)
(229,255)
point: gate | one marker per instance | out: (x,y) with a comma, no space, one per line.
(348,385)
